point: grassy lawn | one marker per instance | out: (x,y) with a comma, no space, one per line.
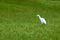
(18,20)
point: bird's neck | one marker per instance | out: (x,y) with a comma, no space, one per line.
(39,17)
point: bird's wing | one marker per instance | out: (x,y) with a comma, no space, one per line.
(43,20)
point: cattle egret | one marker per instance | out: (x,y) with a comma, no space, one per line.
(43,21)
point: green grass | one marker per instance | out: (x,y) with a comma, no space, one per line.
(18,20)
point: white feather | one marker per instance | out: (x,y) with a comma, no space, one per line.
(43,21)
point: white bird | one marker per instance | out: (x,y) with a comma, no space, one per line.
(43,21)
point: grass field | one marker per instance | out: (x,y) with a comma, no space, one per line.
(18,20)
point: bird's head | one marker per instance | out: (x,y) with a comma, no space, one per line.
(38,15)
